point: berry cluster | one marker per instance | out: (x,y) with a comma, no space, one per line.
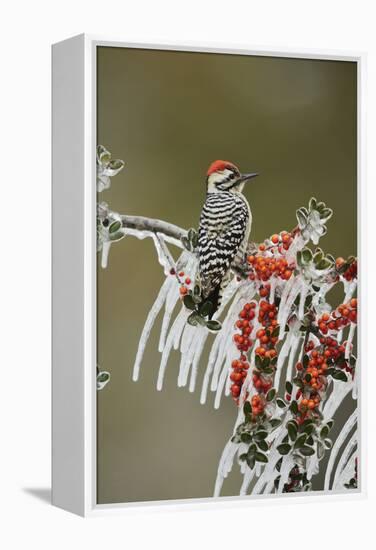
(244,324)
(328,358)
(184,284)
(258,404)
(348,269)
(268,335)
(266,356)
(243,342)
(340,318)
(270,260)
(239,372)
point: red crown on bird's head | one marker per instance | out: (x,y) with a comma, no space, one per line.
(220,165)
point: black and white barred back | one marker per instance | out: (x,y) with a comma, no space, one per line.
(225,225)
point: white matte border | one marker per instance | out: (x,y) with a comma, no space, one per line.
(91,507)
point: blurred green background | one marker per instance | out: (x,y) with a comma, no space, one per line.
(168,115)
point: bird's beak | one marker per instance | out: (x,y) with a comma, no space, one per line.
(246,177)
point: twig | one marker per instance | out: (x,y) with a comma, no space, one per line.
(142,223)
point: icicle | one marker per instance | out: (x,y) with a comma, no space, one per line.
(286,291)
(105,252)
(199,347)
(178,327)
(156,308)
(225,466)
(171,301)
(303,296)
(164,256)
(295,340)
(230,291)
(285,307)
(226,334)
(347,472)
(350,338)
(186,348)
(349,288)
(355,382)
(173,336)
(349,425)
(339,392)
(345,458)
(141,234)
(273,286)
(285,350)
(247,479)
(286,467)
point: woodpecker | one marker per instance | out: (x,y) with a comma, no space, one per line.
(225,225)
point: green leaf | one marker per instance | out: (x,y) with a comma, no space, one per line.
(324,264)
(247,408)
(191,233)
(288,387)
(339,375)
(280,403)
(306,255)
(320,206)
(258,362)
(312,203)
(328,443)
(193,319)
(197,290)
(213,325)
(330,424)
(206,308)
(116,236)
(186,243)
(261,457)
(271,394)
(275,332)
(260,435)
(298,382)
(326,213)
(116,164)
(103,376)
(292,430)
(284,448)
(262,445)
(115,226)
(300,441)
(308,429)
(305,361)
(189,302)
(318,256)
(246,437)
(268,370)
(324,432)
(294,407)
(302,218)
(299,258)
(251,461)
(265,362)
(307,451)
(307,422)
(308,377)
(103,155)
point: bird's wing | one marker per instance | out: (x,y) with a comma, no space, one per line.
(222,229)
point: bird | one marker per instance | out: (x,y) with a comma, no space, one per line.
(224,229)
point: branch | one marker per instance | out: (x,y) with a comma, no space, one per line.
(141,223)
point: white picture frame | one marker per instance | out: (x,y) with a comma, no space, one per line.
(74,273)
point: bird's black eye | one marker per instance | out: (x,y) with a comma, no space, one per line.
(232,175)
